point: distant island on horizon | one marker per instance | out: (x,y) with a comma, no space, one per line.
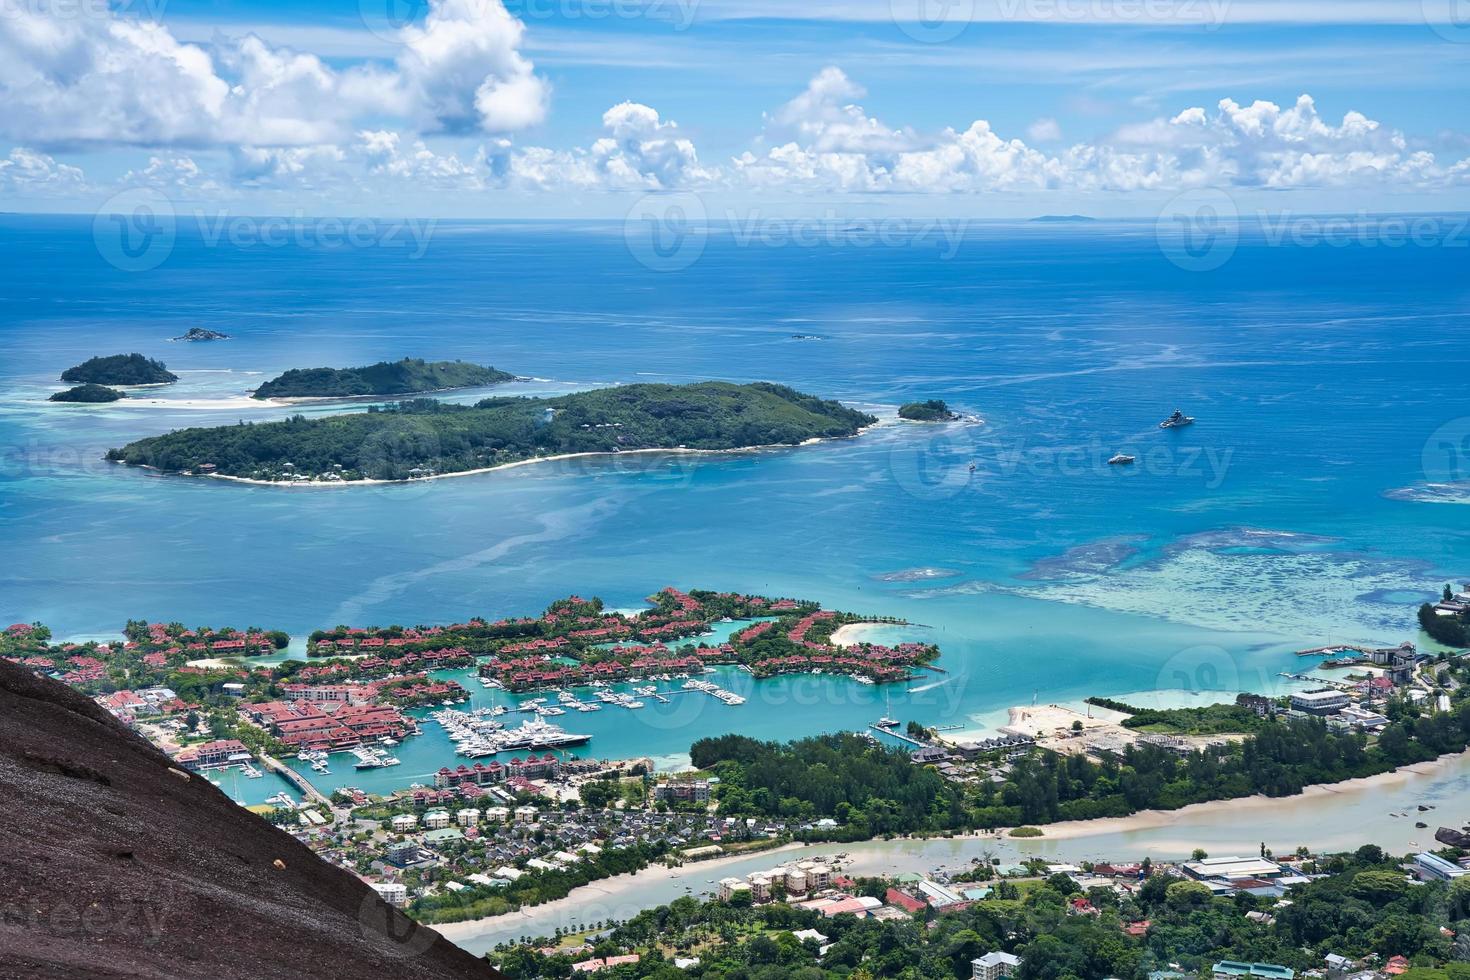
(1063,218)
(425,438)
(410,376)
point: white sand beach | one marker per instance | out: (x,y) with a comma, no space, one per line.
(607,898)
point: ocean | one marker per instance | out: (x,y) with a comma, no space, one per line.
(1317,499)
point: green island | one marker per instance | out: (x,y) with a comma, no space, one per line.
(425,437)
(87,393)
(933,410)
(410,376)
(1357,911)
(120,369)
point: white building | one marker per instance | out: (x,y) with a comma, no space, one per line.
(468,817)
(392,892)
(729,887)
(436,819)
(405,823)
(1319,702)
(993,966)
(1233,867)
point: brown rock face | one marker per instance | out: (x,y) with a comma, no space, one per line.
(116,864)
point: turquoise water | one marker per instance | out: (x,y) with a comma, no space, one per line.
(1305,506)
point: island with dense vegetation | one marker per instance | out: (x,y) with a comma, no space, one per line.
(410,376)
(423,437)
(120,369)
(933,410)
(87,393)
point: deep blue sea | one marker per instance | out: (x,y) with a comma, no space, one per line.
(1313,501)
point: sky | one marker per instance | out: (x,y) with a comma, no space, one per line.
(593,108)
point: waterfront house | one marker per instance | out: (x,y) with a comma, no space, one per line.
(212,755)
(1432,867)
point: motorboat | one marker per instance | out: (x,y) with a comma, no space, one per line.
(1177,421)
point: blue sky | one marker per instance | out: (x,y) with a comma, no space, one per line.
(579,107)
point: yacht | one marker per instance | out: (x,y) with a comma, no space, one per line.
(887,722)
(1121,459)
(1177,421)
(372,758)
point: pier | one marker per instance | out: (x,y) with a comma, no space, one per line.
(898,735)
(296,779)
(1336,648)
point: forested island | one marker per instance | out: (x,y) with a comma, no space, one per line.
(424,437)
(410,376)
(119,369)
(87,393)
(933,410)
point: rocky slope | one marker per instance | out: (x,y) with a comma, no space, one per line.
(117,864)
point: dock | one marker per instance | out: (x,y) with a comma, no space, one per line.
(898,735)
(1336,648)
(296,779)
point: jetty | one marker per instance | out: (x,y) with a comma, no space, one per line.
(899,735)
(296,779)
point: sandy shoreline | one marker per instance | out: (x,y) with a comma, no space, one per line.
(1159,819)
(852,634)
(604,894)
(500,466)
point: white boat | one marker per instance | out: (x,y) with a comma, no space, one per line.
(1121,459)
(887,722)
(1177,421)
